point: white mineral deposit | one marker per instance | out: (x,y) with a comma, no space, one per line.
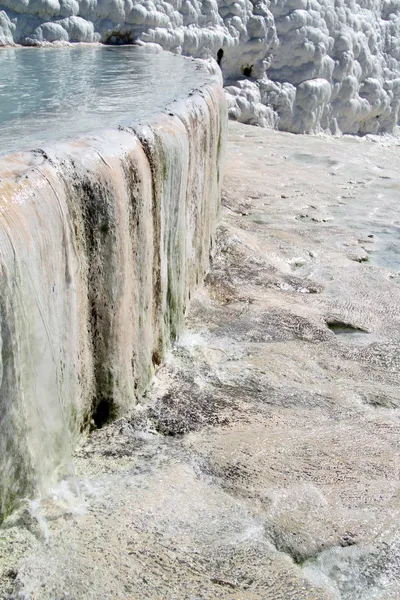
(199,320)
(300,65)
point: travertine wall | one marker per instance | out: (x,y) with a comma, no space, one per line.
(102,240)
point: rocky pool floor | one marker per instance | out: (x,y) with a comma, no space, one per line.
(263,463)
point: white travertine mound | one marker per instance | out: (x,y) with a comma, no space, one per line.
(299,65)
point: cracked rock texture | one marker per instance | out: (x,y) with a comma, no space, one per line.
(263,461)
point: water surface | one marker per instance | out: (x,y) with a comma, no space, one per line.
(53,93)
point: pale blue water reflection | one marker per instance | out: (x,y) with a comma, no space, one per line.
(53,93)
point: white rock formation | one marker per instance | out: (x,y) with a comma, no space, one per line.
(299,65)
(102,241)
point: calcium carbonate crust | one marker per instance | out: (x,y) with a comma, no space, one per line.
(103,239)
(299,65)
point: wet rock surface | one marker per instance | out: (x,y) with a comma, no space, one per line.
(263,462)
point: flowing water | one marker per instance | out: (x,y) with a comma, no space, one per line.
(102,238)
(54,93)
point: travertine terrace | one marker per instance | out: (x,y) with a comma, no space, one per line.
(263,462)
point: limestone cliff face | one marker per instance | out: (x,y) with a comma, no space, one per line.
(102,241)
(299,65)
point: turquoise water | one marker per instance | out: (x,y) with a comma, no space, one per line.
(53,93)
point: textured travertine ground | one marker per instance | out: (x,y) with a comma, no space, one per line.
(264,461)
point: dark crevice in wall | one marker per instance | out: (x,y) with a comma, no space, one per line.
(116,38)
(156,159)
(97,222)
